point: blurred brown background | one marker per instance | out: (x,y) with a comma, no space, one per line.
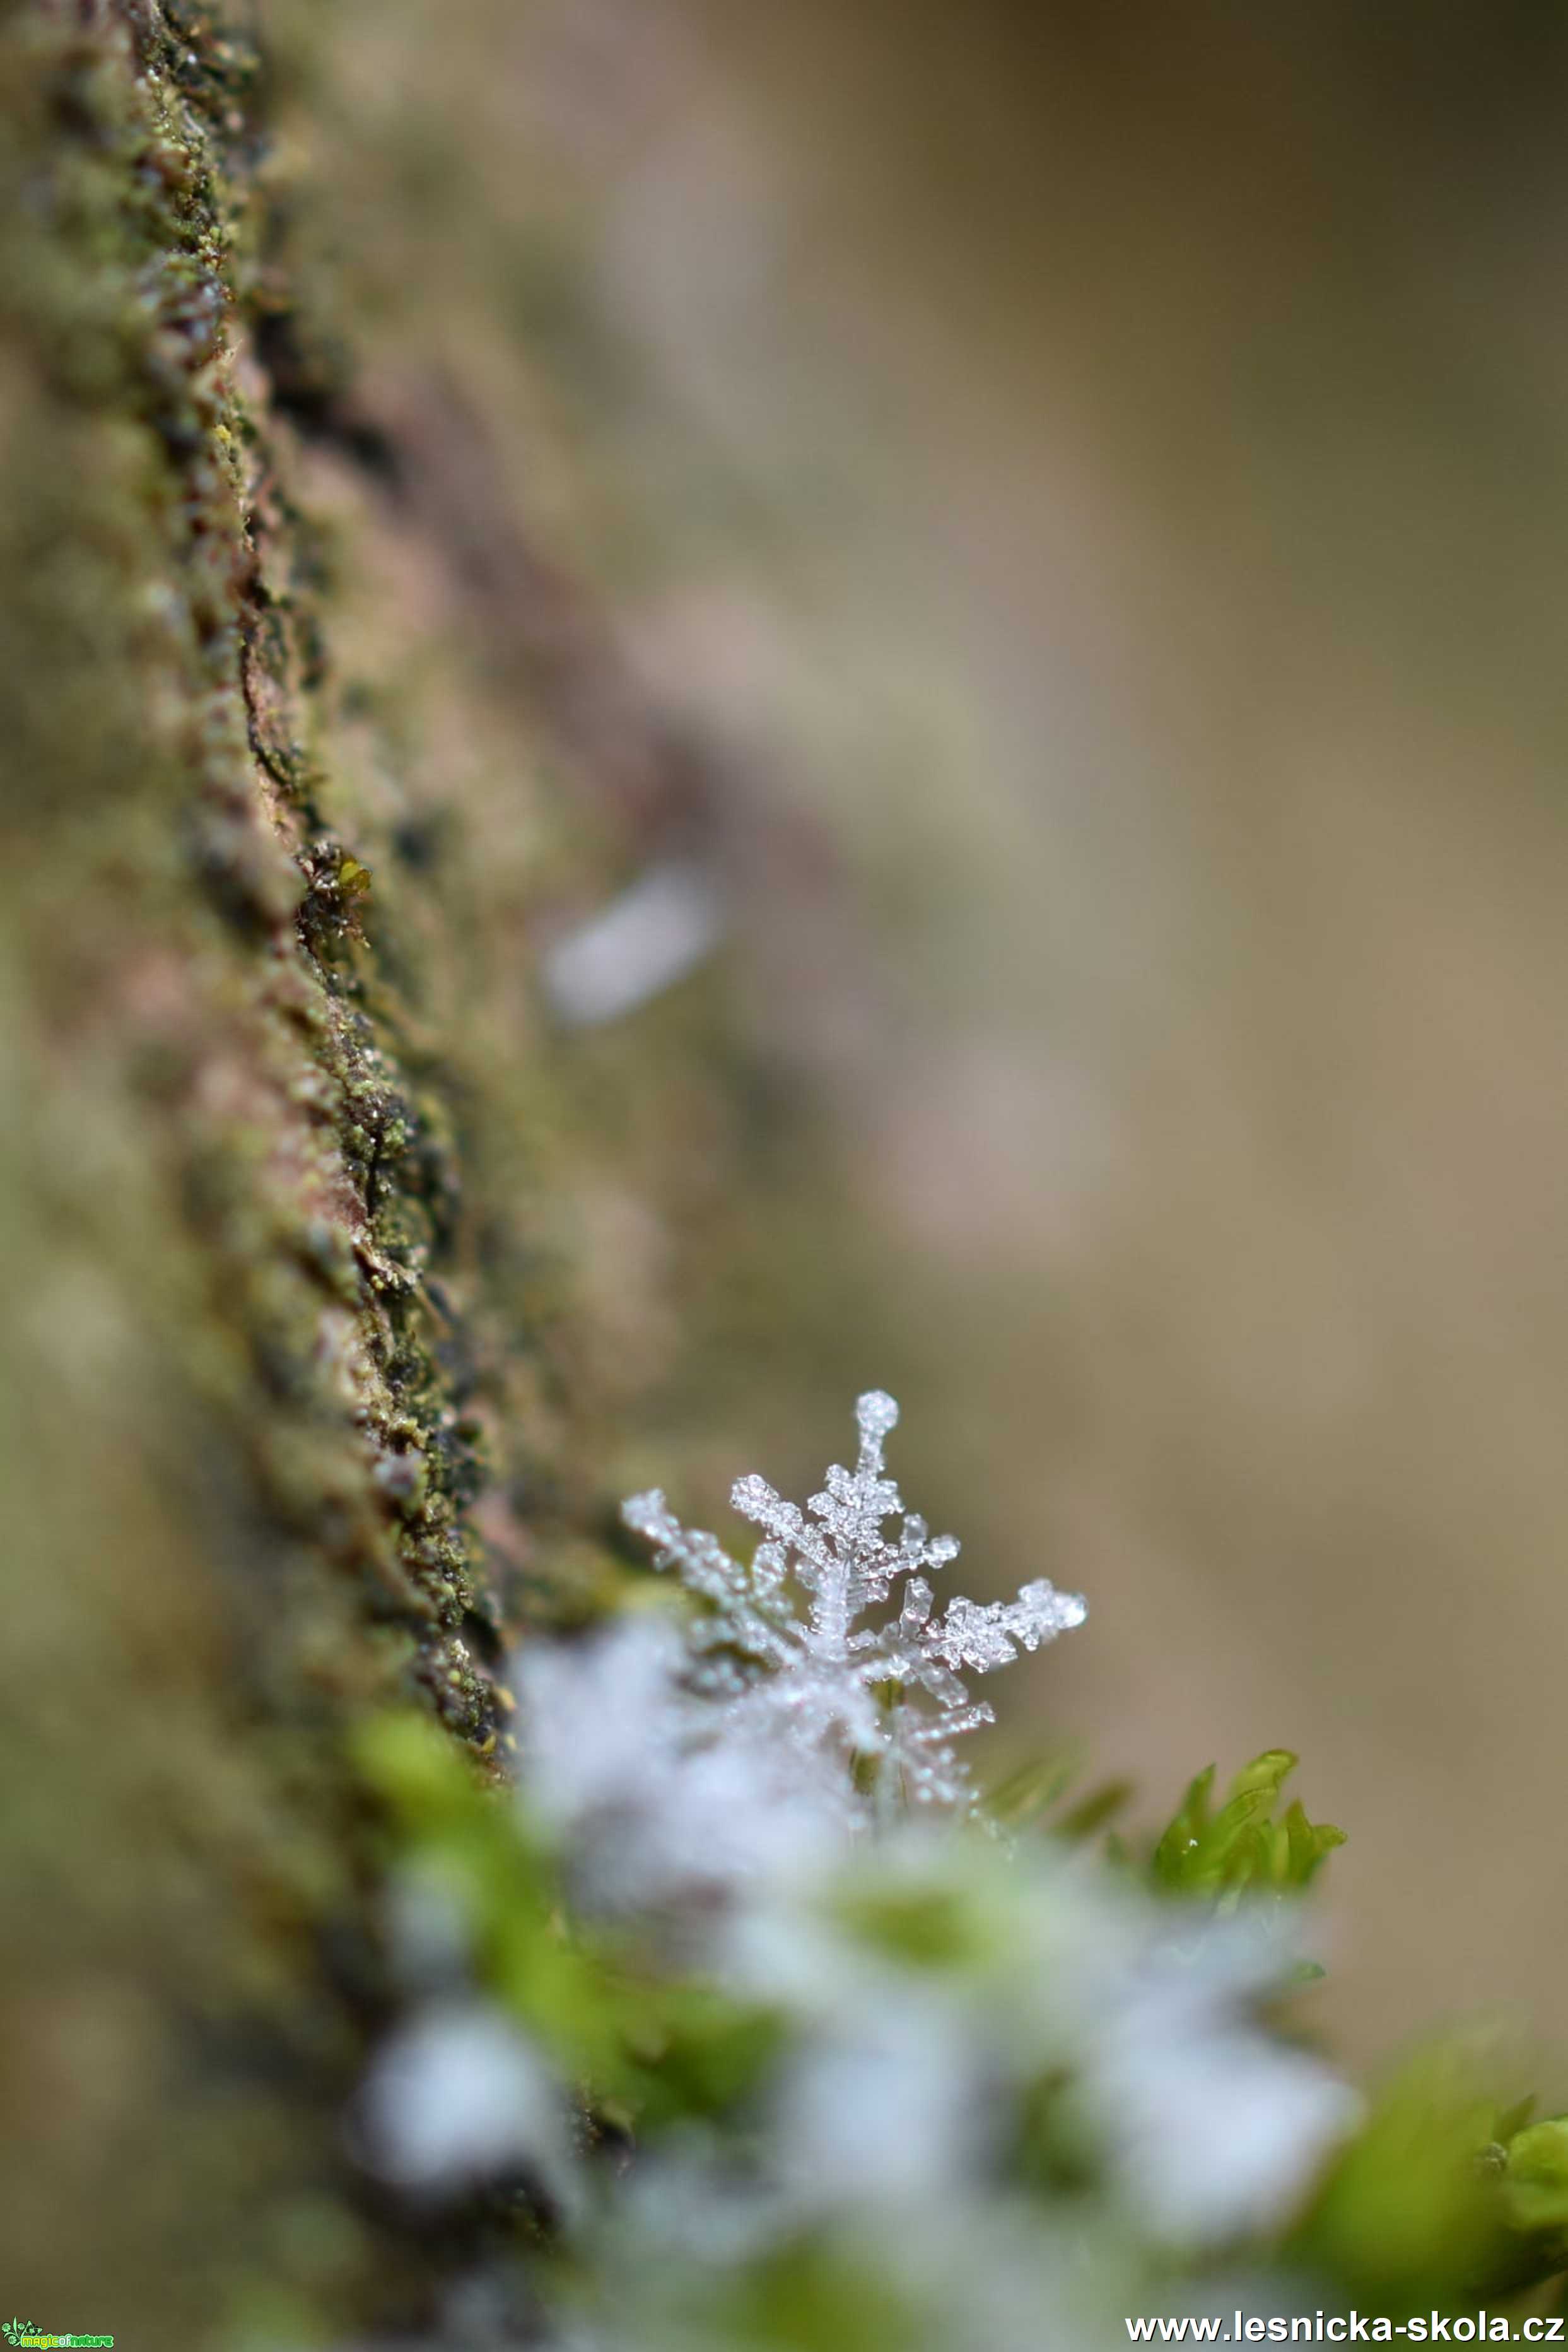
(1096,482)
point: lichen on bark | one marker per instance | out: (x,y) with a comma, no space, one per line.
(296,1399)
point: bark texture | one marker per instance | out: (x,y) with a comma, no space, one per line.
(301,1394)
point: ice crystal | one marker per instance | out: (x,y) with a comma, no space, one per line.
(890,1694)
(1213,2127)
(458,2095)
(671,1801)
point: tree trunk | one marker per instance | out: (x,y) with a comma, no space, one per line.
(300,1409)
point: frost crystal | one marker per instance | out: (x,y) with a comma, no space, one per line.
(1213,2127)
(890,1694)
(458,2095)
(669,1803)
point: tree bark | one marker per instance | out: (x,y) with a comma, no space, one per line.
(299,1412)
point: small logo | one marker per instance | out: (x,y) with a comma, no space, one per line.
(23,2332)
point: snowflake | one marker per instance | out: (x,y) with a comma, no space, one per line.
(889,1694)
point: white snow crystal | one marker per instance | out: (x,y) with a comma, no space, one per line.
(1215,2126)
(656,1795)
(458,2096)
(884,2106)
(891,1692)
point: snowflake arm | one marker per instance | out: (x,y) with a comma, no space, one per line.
(748,1609)
(981,1637)
(841,1559)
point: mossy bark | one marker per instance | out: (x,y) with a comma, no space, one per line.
(295,1403)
